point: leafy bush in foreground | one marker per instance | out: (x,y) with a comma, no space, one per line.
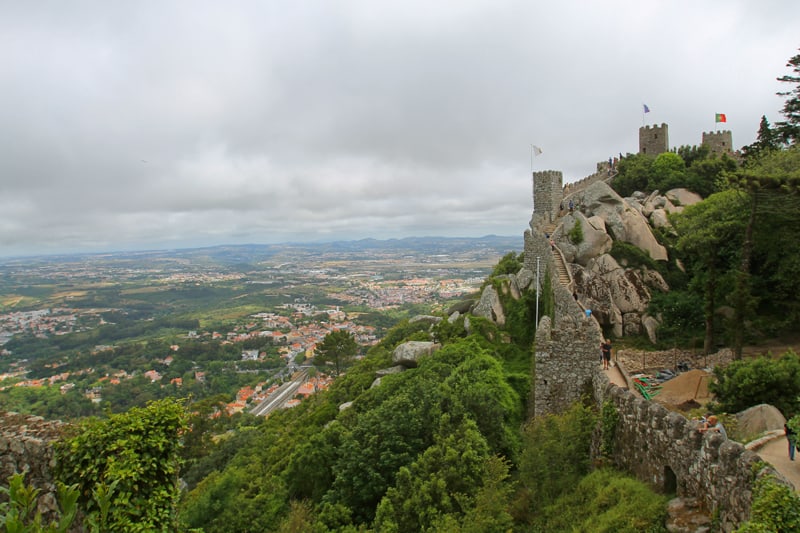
(606,501)
(131,459)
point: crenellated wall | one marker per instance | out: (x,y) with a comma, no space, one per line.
(603,174)
(547,194)
(666,450)
(719,142)
(659,447)
(654,140)
(567,348)
(26,445)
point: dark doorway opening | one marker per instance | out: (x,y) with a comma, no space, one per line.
(670,481)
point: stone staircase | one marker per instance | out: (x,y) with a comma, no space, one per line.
(561,268)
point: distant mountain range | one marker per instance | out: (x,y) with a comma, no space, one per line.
(253,253)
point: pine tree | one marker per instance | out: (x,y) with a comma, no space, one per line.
(789,129)
(766,140)
(338,348)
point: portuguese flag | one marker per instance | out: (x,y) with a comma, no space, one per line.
(721,117)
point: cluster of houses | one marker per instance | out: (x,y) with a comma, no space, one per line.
(382,294)
(248,397)
(295,335)
(43,322)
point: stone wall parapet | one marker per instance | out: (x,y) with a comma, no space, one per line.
(666,450)
(26,446)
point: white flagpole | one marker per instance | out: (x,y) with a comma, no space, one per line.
(533,182)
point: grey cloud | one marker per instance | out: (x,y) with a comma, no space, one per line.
(175,123)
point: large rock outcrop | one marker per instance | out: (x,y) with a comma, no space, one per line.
(595,242)
(408,353)
(683,197)
(622,221)
(656,207)
(490,307)
(618,297)
(617,294)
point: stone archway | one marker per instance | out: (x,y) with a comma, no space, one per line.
(670,481)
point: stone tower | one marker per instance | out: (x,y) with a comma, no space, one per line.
(719,142)
(654,139)
(547,194)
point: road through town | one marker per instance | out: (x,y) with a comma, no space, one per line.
(284,393)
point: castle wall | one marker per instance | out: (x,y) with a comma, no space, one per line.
(658,447)
(719,142)
(26,445)
(654,140)
(667,451)
(602,174)
(567,349)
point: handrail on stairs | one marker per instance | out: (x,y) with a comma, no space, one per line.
(558,251)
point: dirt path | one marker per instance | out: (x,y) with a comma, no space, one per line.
(615,377)
(776,453)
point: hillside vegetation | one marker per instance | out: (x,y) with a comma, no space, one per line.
(447,446)
(737,247)
(441,447)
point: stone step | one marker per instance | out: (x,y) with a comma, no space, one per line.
(561,270)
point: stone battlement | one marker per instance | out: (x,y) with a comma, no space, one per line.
(26,446)
(665,449)
(654,139)
(602,174)
(719,142)
(547,194)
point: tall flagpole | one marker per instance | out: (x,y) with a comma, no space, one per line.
(533,182)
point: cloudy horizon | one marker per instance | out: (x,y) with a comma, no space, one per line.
(173,124)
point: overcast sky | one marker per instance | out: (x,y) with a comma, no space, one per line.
(165,124)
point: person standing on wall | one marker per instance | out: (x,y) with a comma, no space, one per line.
(792,438)
(605,347)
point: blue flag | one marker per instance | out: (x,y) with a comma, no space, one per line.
(646,109)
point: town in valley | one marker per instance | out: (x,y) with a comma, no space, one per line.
(80,334)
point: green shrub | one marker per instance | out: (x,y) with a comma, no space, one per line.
(745,383)
(132,457)
(609,418)
(606,501)
(19,513)
(631,256)
(682,320)
(576,233)
(555,455)
(776,507)
(510,263)
(794,424)
(520,317)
